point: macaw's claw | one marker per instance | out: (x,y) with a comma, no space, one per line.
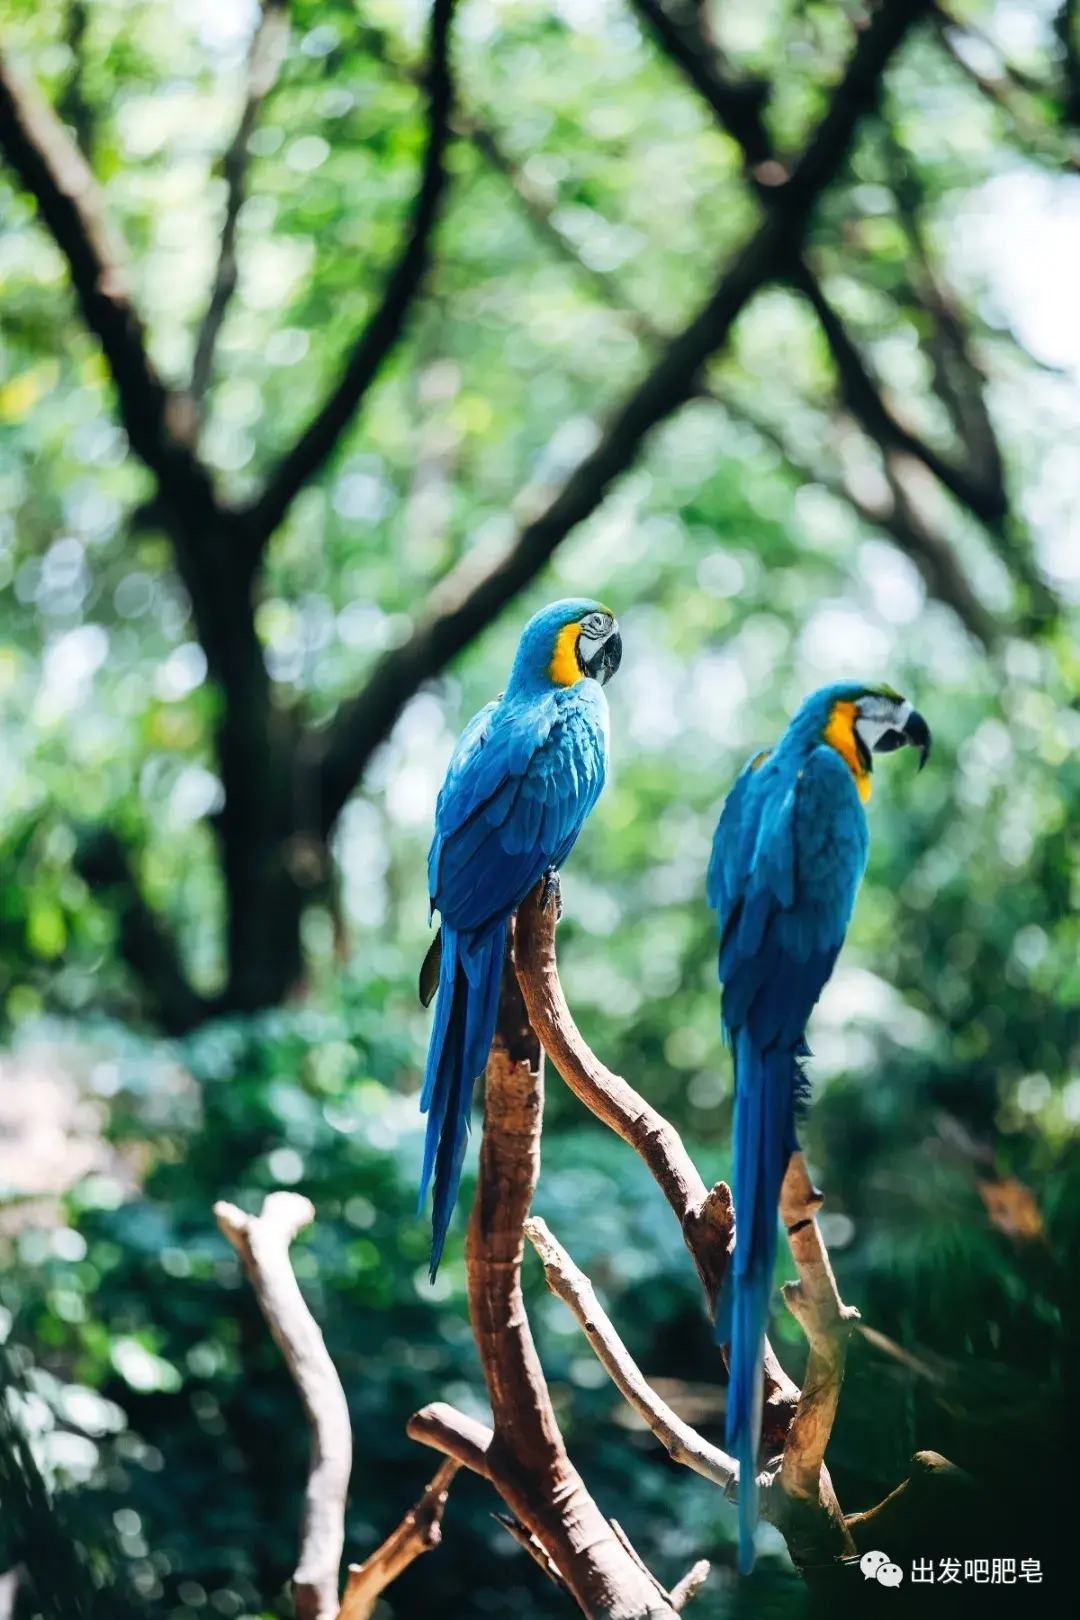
(551,894)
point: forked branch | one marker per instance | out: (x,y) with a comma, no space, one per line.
(798,1493)
(704,1215)
(570,1284)
(524,1455)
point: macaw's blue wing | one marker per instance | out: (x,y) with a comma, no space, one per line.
(733,842)
(784,885)
(518,790)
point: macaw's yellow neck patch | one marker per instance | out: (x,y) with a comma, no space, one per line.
(840,734)
(564,668)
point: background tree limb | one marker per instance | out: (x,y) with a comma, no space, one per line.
(383,331)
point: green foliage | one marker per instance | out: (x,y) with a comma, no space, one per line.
(148,1344)
(947,1048)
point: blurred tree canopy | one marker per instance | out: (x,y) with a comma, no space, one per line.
(327,332)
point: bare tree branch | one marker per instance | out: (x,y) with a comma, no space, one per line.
(704,1215)
(815,1303)
(268,45)
(387,324)
(690,1585)
(527,1458)
(419,1532)
(570,1284)
(474,593)
(446,1429)
(798,1495)
(262,1242)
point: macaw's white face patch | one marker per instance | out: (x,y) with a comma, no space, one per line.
(880,720)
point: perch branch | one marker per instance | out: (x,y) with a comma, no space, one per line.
(268,43)
(387,324)
(526,1458)
(814,1301)
(475,592)
(682,1443)
(262,1242)
(705,1216)
(419,1532)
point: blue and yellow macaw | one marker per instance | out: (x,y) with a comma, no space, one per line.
(787,860)
(525,774)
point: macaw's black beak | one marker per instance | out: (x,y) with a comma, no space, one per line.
(605,661)
(914,733)
(917,734)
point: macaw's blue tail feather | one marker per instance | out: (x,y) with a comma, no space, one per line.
(764,1136)
(465,1015)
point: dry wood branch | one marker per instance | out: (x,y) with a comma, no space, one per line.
(445,1429)
(690,1585)
(268,44)
(419,1532)
(384,330)
(526,1458)
(262,1242)
(682,1443)
(827,1322)
(705,1215)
